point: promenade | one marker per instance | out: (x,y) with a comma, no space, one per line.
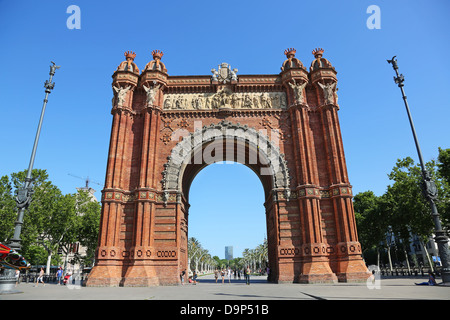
(207,289)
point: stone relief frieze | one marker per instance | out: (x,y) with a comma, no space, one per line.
(225,99)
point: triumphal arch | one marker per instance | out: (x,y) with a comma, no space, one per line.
(284,126)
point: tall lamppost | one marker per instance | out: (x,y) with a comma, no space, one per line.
(24,194)
(23,199)
(428,188)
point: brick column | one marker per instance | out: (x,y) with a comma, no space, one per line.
(108,269)
(345,250)
(349,266)
(142,271)
(315,262)
(314,266)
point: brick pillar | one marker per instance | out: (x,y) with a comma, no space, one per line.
(141,270)
(314,266)
(349,264)
(315,262)
(108,269)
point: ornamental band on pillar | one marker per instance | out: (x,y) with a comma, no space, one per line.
(284,126)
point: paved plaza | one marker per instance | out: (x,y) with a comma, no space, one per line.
(259,289)
(208,299)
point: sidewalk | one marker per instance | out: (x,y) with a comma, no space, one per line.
(259,289)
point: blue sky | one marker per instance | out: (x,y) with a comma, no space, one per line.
(196,36)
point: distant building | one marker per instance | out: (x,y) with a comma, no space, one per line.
(229,253)
(90,192)
(76,249)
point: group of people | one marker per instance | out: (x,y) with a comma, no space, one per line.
(59,277)
(192,279)
(223,272)
(228,272)
(40,277)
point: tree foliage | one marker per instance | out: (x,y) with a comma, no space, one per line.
(53,222)
(403,210)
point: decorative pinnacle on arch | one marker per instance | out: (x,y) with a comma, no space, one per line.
(130,54)
(157,54)
(290,52)
(318,52)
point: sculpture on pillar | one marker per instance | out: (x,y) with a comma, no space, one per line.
(151,93)
(121,93)
(298,90)
(328,92)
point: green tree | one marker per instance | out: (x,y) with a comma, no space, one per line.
(53,222)
(411,211)
(8,210)
(443,182)
(372,214)
(444,164)
(43,200)
(50,220)
(88,212)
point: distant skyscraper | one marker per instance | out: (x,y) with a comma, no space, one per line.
(229,253)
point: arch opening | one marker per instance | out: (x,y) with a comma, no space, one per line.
(226,151)
(227,209)
(238,144)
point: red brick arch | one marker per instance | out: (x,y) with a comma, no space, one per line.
(283,126)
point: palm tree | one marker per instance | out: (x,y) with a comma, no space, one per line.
(262,253)
(194,247)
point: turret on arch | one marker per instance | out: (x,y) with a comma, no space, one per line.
(283,126)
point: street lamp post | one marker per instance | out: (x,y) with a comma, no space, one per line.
(428,187)
(24,194)
(23,199)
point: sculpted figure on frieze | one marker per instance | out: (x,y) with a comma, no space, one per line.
(225,99)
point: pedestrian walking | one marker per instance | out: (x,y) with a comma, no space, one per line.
(222,273)
(247,275)
(182,277)
(216,274)
(17,276)
(229,275)
(40,278)
(59,275)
